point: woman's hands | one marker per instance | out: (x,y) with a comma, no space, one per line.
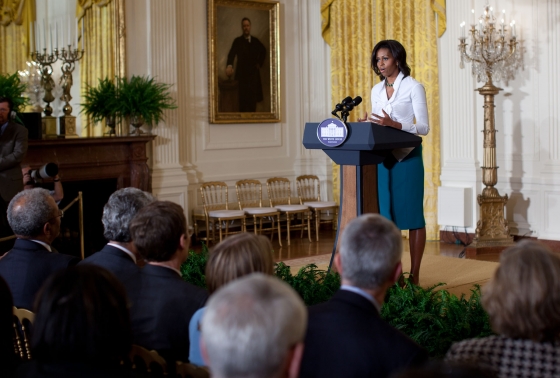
(384,120)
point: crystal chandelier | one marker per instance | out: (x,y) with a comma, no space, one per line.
(493,49)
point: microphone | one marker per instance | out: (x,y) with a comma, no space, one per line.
(347,100)
(357,101)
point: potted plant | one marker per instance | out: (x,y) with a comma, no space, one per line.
(11,87)
(101,102)
(143,100)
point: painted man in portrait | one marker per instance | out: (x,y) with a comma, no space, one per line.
(250,53)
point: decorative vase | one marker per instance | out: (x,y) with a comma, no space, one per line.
(136,121)
(110,121)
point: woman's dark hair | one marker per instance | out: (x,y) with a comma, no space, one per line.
(6,326)
(82,316)
(398,52)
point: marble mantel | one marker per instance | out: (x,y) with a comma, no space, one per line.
(81,159)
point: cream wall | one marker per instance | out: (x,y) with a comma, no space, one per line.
(168,40)
(527,118)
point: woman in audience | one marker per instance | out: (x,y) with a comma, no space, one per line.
(523,303)
(236,256)
(82,326)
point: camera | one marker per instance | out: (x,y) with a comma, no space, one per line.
(46,171)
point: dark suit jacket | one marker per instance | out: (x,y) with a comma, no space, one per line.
(114,260)
(26,267)
(13,147)
(346,337)
(162,305)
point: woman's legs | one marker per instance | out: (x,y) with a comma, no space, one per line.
(417,242)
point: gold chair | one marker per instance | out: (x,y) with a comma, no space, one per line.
(148,361)
(249,198)
(186,370)
(23,320)
(280,197)
(309,191)
(216,209)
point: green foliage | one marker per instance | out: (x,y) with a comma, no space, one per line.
(312,284)
(435,318)
(193,270)
(101,101)
(11,87)
(143,96)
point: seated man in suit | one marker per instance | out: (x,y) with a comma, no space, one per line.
(162,303)
(346,337)
(254,327)
(120,256)
(35,219)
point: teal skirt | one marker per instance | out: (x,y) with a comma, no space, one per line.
(400,186)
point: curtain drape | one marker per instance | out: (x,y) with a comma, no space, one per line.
(15,25)
(103,42)
(352,28)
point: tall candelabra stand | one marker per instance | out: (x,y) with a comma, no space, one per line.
(68,122)
(45,61)
(493,56)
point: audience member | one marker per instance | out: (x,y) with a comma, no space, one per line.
(82,326)
(254,327)
(120,256)
(8,357)
(236,256)
(162,302)
(438,369)
(523,303)
(35,219)
(346,336)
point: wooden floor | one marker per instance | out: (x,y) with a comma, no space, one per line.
(302,248)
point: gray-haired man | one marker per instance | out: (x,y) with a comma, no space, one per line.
(119,255)
(254,327)
(346,337)
(35,219)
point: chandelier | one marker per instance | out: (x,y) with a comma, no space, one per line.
(493,47)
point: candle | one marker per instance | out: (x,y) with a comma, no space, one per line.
(76,35)
(513,28)
(44,34)
(56,33)
(62,33)
(502,27)
(462,29)
(50,30)
(473,17)
(69,39)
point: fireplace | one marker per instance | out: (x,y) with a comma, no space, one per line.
(96,167)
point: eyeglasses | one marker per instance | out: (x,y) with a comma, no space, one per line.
(60,214)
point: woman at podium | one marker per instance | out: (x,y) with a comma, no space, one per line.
(398,101)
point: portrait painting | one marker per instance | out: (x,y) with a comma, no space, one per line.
(243,61)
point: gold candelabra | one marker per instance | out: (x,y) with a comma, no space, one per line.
(492,57)
(45,61)
(69,57)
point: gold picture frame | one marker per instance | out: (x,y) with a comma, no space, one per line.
(239,92)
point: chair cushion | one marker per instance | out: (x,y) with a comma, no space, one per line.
(291,207)
(226,213)
(259,210)
(321,204)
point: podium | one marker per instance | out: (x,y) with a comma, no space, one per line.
(366,145)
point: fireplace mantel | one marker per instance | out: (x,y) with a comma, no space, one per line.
(80,159)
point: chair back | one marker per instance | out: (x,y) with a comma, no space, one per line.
(147,361)
(214,196)
(186,370)
(279,191)
(23,322)
(249,193)
(309,188)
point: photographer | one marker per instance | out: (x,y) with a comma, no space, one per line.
(32,178)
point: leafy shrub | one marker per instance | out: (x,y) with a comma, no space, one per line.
(433,318)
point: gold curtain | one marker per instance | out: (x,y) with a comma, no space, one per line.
(103,23)
(15,20)
(352,27)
